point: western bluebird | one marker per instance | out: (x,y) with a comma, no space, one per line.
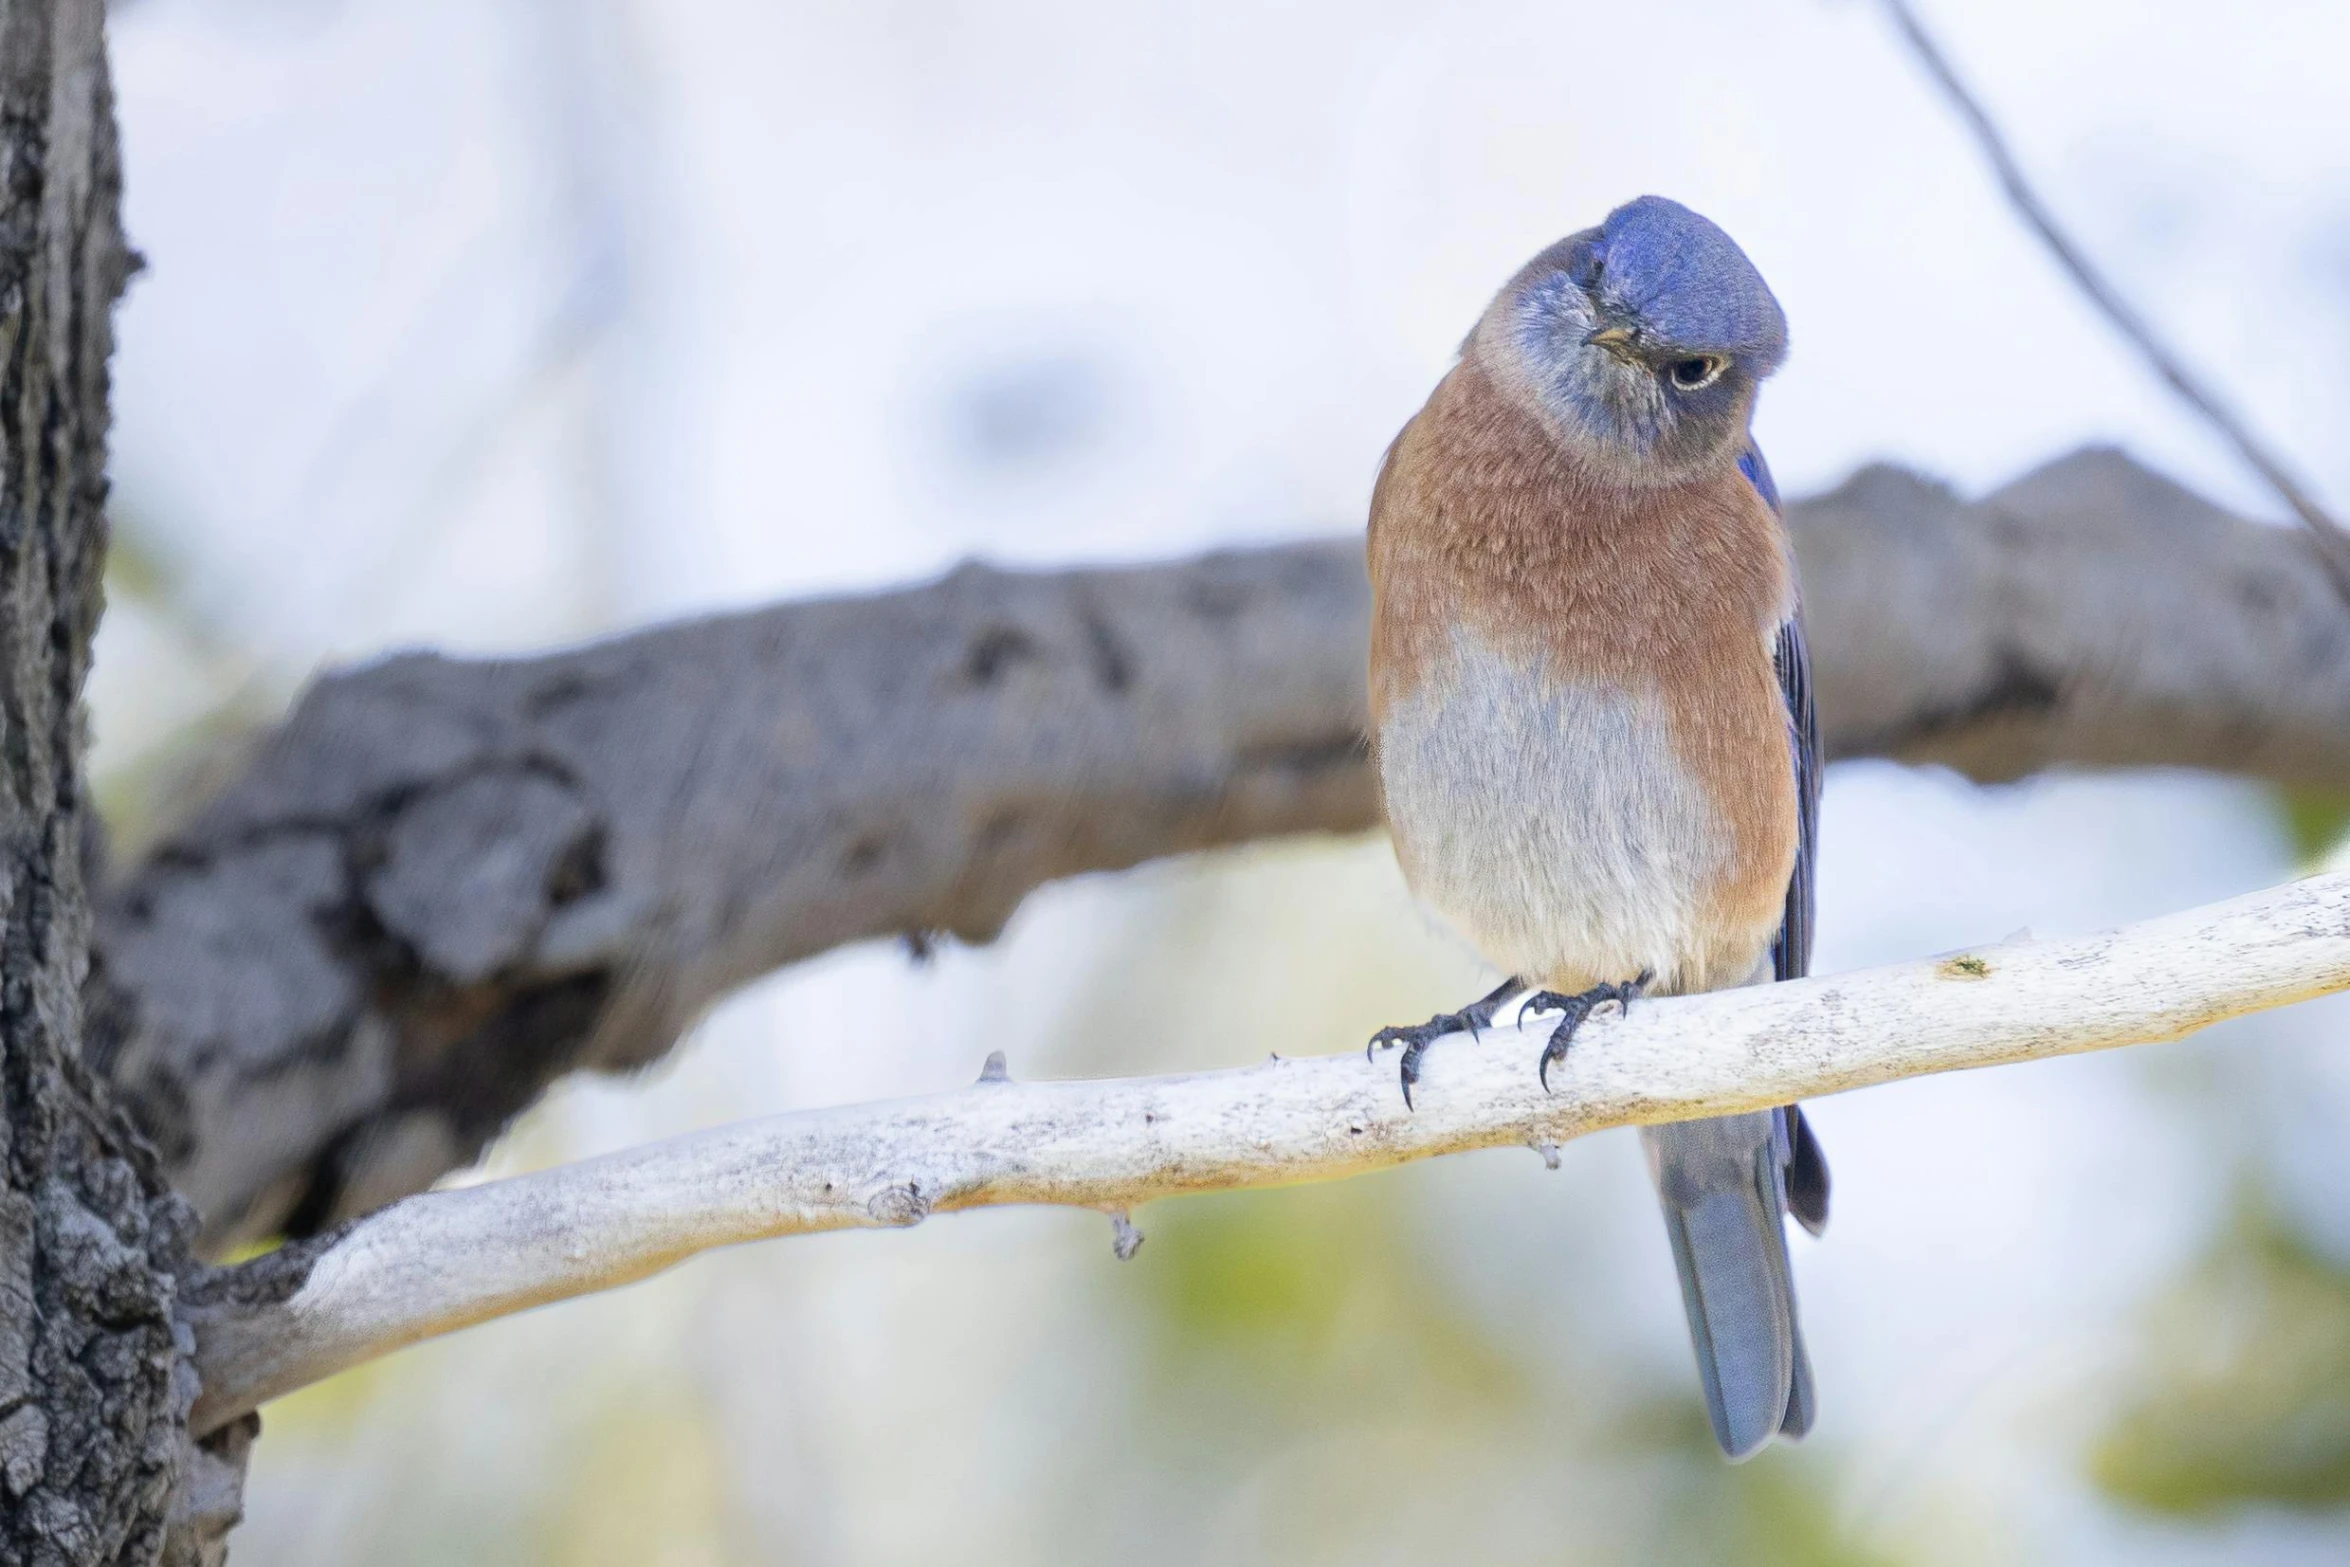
(1594,719)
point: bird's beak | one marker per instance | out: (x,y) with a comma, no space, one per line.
(1617,340)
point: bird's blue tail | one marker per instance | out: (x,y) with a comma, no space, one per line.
(1724,1187)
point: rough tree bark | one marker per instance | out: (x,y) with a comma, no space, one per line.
(94,1388)
(445,883)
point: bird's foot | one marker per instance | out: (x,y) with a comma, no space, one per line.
(1470,1020)
(1576,1008)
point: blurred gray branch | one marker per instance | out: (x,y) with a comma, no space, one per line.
(443,884)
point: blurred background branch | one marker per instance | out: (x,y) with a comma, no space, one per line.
(447,1260)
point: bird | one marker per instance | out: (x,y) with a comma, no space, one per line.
(1593,722)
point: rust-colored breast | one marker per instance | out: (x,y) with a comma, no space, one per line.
(1482,523)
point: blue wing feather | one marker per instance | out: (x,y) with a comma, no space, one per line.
(1791,953)
(1807,1167)
(1758,474)
(1791,657)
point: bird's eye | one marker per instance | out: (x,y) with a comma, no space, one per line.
(1690,375)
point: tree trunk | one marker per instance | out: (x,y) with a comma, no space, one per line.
(93,1389)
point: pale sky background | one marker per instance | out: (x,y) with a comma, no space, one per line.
(496,323)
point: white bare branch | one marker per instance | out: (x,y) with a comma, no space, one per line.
(447,1259)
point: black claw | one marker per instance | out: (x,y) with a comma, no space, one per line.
(1471,1019)
(1575,1009)
(1633,989)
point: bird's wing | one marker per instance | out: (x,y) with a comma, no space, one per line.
(1758,474)
(1807,1167)
(1791,952)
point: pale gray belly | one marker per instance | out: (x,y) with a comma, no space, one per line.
(1553,825)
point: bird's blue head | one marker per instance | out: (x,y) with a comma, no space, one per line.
(1642,340)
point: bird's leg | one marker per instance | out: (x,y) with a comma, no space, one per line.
(1415,1040)
(1576,1008)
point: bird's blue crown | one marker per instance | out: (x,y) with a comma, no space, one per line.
(1643,339)
(1687,283)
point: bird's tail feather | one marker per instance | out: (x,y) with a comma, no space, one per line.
(1722,1187)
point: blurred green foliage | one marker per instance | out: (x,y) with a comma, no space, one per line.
(1773,1511)
(2317,819)
(137,568)
(153,766)
(1778,1515)
(648,1488)
(1277,1318)
(2246,1385)
(1293,1297)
